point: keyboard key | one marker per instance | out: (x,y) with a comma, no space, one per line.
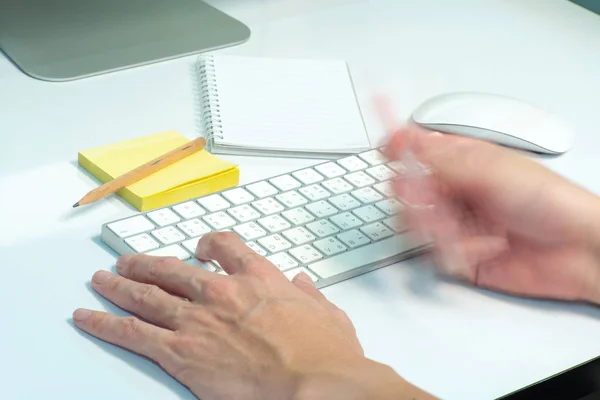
(282,261)
(367,255)
(298,236)
(142,243)
(238,196)
(314,192)
(359,179)
(322,228)
(367,195)
(381,173)
(262,189)
(274,243)
(131,226)
(389,206)
(368,213)
(249,231)
(173,250)
(256,247)
(194,227)
(353,238)
(214,202)
(330,170)
(268,206)
(376,231)
(219,220)
(352,163)
(274,223)
(395,224)
(210,266)
(189,210)
(163,217)
(322,209)
(285,183)
(191,245)
(306,254)
(385,188)
(291,274)
(292,199)
(346,221)
(308,176)
(345,202)
(298,216)
(168,235)
(330,246)
(244,213)
(372,157)
(337,185)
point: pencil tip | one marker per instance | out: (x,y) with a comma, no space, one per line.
(76,205)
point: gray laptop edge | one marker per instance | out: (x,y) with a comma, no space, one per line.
(62,40)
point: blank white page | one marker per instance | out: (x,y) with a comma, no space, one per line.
(288,104)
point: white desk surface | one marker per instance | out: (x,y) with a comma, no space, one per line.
(455,341)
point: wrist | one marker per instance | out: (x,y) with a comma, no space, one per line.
(594,244)
(357,380)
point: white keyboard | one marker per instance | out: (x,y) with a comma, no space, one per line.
(334,220)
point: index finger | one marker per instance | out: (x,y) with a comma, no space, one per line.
(231,253)
(169,273)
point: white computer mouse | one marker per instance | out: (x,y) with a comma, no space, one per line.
(499,119)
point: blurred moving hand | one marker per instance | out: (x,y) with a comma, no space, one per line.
(499,219)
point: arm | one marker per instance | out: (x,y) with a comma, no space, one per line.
(364,379)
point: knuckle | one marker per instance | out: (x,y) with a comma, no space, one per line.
(220,240)
(257,265)
(143,294)
(129,328)
(97,322)
(260,270)
(197,282)
(219,289)
(181,343)
(343,317)
(202,317)
(161,264)
(114,284)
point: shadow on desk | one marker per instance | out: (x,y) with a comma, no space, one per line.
(424,281)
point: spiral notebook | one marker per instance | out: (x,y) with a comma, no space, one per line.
(279,107)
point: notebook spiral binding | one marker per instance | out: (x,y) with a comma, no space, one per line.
(210,112)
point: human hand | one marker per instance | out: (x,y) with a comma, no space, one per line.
(499,219)
(250,335)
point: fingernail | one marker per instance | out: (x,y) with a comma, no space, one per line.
(302,276)
(81,314)
(101,276)
(123,262)
(434,133)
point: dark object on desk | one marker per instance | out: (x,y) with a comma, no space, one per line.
(592,5)
(581,382)
(61,40)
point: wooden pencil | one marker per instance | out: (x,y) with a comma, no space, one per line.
(142,171)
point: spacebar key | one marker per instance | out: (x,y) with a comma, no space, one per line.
(364,256)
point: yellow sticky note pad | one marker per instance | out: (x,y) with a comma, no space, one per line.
(199,174)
